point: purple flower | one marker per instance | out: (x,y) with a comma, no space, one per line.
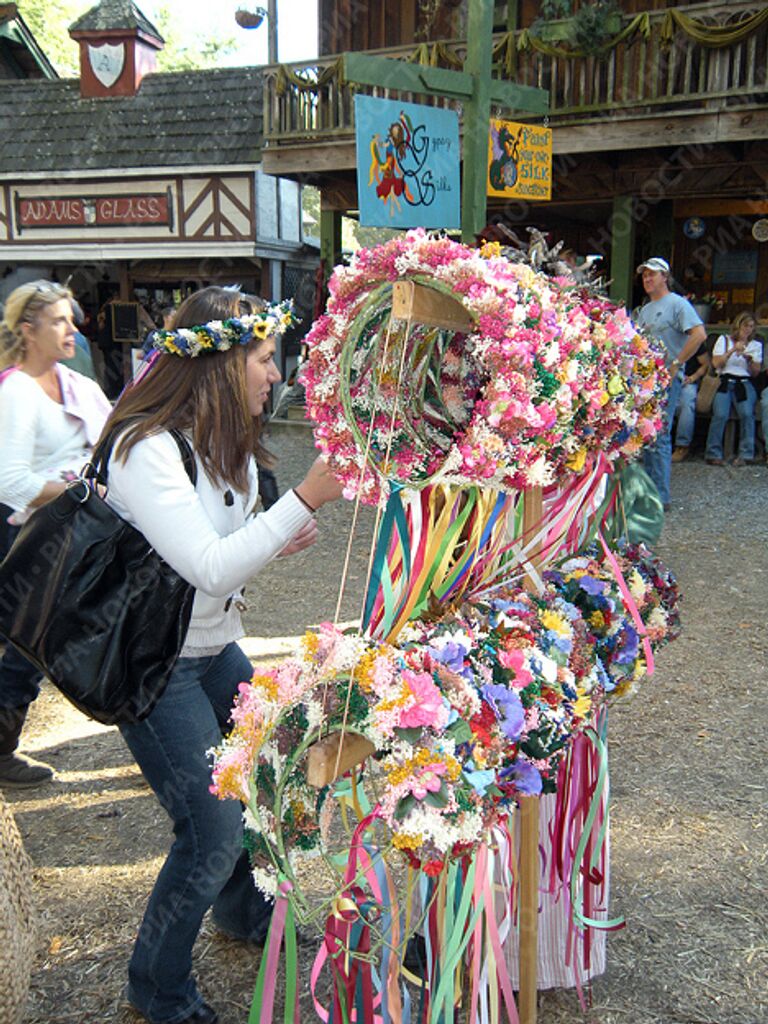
(507,707)
(591,585)
(630,643)
(451,655)
(526,777)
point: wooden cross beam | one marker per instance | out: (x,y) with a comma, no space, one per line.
(477,90)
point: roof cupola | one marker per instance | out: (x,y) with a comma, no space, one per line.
(118,46)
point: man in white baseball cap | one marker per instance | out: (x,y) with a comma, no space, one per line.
(673,319)
(655,263)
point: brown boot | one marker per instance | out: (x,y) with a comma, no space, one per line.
(16,770)
(679,454)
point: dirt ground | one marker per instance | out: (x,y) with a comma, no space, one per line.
(690,832)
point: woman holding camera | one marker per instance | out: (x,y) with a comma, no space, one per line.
(736,358)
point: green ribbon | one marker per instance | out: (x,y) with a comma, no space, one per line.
(594,807)
(457,936)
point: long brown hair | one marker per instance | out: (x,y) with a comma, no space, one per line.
(206,396)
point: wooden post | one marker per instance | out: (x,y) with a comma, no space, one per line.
(477,121)
(529,833)
(622,250)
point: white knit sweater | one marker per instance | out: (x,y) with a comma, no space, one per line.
(214,545)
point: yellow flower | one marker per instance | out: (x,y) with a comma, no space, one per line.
(615,385)
(404,841)
(596,619)
(310,643)
(556,622)
(261,329)
(577,460)
(364,670)
(490,249)
(264,682)
(583,706)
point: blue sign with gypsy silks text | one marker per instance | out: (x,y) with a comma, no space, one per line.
(407,164)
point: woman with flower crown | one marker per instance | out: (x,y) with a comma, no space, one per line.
(209,378)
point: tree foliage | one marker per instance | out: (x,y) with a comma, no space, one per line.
(49,21)
(184,49)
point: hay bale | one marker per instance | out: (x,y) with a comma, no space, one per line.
(17,932)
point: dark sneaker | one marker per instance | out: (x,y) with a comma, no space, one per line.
(20,772)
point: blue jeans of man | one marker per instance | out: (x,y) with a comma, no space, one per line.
(721,410)
(764,417)
(19,678)
(206,865)
(657,458)
(686,415)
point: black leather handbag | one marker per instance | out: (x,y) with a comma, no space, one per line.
(86,598)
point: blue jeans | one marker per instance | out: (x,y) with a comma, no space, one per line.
(721,410)
(19,678)
(764,417)
(657,458)
(206,864)
(686,415)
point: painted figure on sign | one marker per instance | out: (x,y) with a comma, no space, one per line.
(388,170)
(503,170)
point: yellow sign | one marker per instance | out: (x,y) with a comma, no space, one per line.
(739,296)
(519,161)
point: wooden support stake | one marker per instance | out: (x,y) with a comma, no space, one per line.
(323,757)
(411,301)
(529,830)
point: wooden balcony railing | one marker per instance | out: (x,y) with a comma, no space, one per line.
(657,67)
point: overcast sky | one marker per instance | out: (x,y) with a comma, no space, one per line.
(296,26)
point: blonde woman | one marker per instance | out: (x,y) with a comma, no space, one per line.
(736,357)
(50,417)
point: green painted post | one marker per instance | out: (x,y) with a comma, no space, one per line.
(663,230)
(477,120)
(622,249)
(330,239)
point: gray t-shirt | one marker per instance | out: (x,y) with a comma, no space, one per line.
(669,318)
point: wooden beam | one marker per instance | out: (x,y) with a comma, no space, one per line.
(329,758)
(411,301)
(397,74)
(649,131)
(622,249)
(720,207)
(533,510)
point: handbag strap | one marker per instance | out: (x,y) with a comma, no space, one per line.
(97,468)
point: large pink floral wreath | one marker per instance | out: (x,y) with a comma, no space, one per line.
(551,375)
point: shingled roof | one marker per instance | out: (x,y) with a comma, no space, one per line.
(114,14)
(190,118)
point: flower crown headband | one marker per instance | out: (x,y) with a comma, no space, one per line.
(221,335)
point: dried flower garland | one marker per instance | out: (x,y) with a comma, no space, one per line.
(466,713)
(550,376)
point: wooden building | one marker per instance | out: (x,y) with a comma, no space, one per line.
(659,120)
(131,183)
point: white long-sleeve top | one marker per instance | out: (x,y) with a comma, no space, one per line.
(204,532)
(41,439)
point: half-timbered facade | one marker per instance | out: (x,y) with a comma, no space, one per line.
(130,183)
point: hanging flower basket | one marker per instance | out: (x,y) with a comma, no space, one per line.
(250,17)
